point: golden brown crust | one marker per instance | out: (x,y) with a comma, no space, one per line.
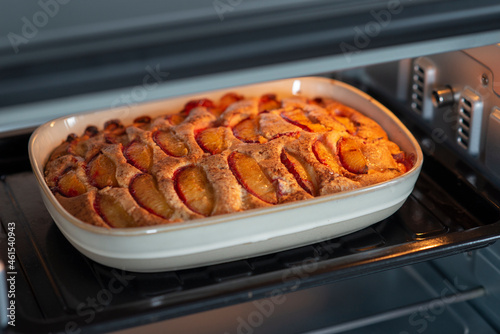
(223,182)
(82,207)
(279,139)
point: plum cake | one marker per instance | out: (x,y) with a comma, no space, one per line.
(212,158)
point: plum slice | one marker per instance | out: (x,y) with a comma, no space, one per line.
(112,211)
(69,185)
(298,169)
(211,140)
(251,177)
(351,156)
(144,189)
(326,157)
(228,99)
(195,190)
(101,171)
(139,155)
(299,118)
(248,131)
(170,143)
(268,102)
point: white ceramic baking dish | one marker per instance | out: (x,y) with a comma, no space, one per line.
(237,235)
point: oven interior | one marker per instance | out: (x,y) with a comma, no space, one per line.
(433,266)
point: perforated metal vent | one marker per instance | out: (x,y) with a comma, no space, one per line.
(470,109)
(418,89)
(424,74)
(464,118)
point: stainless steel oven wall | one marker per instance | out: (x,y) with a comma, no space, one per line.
(473,269)
(454,93)
(456,96)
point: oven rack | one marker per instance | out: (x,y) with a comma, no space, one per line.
(58,287)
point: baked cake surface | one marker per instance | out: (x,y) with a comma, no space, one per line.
(212,158)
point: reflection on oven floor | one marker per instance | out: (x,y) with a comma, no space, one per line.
(421,298)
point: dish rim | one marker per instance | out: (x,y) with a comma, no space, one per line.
(38,167)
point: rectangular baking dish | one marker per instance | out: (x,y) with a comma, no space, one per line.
(232,236)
